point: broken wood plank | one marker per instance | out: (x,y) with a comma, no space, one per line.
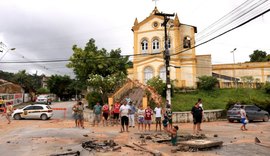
(77,153)
(116,148)
(162,140)
(148,150)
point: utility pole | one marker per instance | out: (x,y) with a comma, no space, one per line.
(235,81)
(166,55)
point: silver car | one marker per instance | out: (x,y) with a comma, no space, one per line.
(253,113)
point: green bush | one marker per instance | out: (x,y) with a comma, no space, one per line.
(267,87)
(207,82)
(43,91)
(158,84)
(93,98)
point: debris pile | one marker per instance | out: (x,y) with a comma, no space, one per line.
(105,146)
(186,143)
(198,145)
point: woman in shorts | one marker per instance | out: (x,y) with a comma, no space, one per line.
(140,114)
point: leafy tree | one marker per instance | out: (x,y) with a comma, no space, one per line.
(158,84)
(259,56)
(93,98)
(99,69)
(59,85)
(267,87)
(43,91)
(25,80)
(207,82)
(30,83)
(92,60)
(105,85)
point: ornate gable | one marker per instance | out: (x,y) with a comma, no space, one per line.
(152,17)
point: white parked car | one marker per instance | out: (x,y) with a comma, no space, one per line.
(46,99)
(36,111)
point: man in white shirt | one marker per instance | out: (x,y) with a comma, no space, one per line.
(124,112)
(158,112)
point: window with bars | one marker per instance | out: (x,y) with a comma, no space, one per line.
(155,46)
(144,45)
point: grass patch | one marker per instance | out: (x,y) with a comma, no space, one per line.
(216,99)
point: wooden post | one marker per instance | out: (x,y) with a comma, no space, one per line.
(110,101)
(145,102)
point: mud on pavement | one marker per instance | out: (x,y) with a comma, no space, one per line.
(52,137)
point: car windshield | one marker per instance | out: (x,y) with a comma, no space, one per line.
(42,96)
(48,107)
(236,106)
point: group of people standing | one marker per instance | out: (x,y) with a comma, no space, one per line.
(127,113)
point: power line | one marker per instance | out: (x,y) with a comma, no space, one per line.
(223,32)
(234,19)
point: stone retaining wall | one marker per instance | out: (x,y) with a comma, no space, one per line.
(178,117)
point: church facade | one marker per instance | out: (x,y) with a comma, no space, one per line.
(149,43)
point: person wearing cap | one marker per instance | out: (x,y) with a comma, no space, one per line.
(173,133)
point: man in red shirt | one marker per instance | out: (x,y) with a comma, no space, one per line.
(148,117)
(116,111)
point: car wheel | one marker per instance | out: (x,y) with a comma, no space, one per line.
(266,118)
(44,117)
(230,120)
(17,117)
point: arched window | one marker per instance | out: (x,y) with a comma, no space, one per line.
(155,46)
(148,74)
(187,42)
(162,73)
(144,45)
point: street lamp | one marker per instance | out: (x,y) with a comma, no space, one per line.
(6,53)
(235,83)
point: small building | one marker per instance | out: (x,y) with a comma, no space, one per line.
(11,92)
(230,75)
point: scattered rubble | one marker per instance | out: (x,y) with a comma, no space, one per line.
(107,145)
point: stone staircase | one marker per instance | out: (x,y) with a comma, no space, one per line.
(136,96)
(135,91)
